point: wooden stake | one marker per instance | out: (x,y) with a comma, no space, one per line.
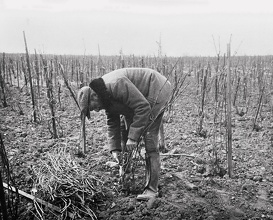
(50,96)
(17,73)
(259,108)
(83,136)
(37,73)
(229,130)
(30,80)
(3,206)
(2,84)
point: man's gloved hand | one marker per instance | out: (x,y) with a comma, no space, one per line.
(131,144)
(117,156)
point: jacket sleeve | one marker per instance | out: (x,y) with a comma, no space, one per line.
(128,94)
(114,133)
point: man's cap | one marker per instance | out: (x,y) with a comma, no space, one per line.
(84,99)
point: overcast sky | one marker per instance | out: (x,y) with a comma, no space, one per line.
(186,27)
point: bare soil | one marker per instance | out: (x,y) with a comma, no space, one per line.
(191,185)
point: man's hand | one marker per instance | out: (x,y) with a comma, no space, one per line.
(117,156)
(131,144)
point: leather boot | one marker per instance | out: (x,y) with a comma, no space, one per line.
(147,170)
(152,176)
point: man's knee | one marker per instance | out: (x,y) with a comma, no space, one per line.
(151,142)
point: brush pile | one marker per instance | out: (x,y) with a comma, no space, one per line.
(61,181)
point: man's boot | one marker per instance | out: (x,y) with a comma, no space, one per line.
(152,176)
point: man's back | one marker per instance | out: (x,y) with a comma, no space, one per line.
(147,81)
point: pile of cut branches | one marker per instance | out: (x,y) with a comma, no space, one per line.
(60,180)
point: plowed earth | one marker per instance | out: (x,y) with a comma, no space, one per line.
(191,185)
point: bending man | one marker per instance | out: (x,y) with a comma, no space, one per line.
(140,95)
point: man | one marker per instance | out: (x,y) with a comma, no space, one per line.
(140,96)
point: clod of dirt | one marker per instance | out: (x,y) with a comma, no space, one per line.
(24,134)
(151,203)
(247,187)
(111,164)
(235,212)
(257,178)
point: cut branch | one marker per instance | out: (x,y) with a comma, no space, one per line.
(33,198)
(67,85)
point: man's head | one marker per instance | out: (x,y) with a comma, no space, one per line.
(88,101)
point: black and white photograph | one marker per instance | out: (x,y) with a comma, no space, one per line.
(136,109)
